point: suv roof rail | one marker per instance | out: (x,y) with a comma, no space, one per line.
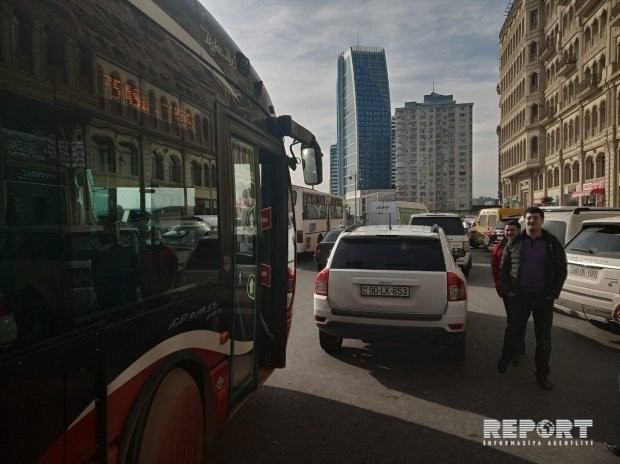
(353,227)
(595,208)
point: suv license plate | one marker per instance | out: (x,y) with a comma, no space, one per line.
(583,272)
(385,290)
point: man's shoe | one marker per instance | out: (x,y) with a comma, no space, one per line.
(613,448)
(544,383)
(502,365)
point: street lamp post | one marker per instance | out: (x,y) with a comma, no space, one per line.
(354,179)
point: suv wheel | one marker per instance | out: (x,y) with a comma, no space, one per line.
(330,343)
(455,351)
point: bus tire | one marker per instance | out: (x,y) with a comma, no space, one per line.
(172,427)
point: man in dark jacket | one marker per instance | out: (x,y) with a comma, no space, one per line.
(533,271)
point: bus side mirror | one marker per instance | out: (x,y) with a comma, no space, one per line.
(312,166)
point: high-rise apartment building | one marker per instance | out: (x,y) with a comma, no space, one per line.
(560,103)
(434,153)
(363,105)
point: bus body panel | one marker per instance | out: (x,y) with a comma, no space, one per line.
(103,149)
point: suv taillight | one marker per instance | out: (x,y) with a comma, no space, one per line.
(320,282)
(456,288)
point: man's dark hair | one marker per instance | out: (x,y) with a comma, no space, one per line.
(513,222)
(534,210)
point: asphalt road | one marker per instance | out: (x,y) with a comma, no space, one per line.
(388,403)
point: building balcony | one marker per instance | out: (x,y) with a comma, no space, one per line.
(566,66)
(544,115)
(589,85)
(498,89)
(547,50)
(584,7)
(614,15)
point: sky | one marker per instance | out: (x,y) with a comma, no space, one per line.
(294,46)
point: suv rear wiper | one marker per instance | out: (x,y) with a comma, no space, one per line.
(585,251)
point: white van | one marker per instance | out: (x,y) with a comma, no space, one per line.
(592,289)
(565,221)
(392,212)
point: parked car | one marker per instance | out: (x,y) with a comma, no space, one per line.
(565,221)
(592,288)
(209,219)
(322,250)
(396,284)
(497,233)
(474,239)
(185,235)
(457,237)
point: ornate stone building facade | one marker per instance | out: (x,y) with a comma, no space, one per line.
(560,103)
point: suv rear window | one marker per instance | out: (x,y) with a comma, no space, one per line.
(450,225)
(602,241)
(557,228)
(397,253)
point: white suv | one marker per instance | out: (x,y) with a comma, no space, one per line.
(396,283)
(452,225)
(592,288)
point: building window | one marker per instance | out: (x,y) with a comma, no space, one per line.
(600,165)
(174,168)
(21,37)
(567,179)
(196,174)
(127,160)
(533,19)
(157,167)
(575,175)
(103,155)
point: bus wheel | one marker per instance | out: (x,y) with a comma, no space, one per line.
(174,427)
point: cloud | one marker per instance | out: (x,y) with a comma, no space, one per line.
(294,46)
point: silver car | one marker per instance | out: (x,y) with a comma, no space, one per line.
(396,283)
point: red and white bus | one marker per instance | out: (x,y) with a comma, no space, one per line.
(316,213)
(130,325)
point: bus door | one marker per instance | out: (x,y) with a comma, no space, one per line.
(257,202)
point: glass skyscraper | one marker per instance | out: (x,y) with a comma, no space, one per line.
(364,114)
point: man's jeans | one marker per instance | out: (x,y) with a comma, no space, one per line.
(518,310)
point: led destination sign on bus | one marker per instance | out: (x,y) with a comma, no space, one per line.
(136,101)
